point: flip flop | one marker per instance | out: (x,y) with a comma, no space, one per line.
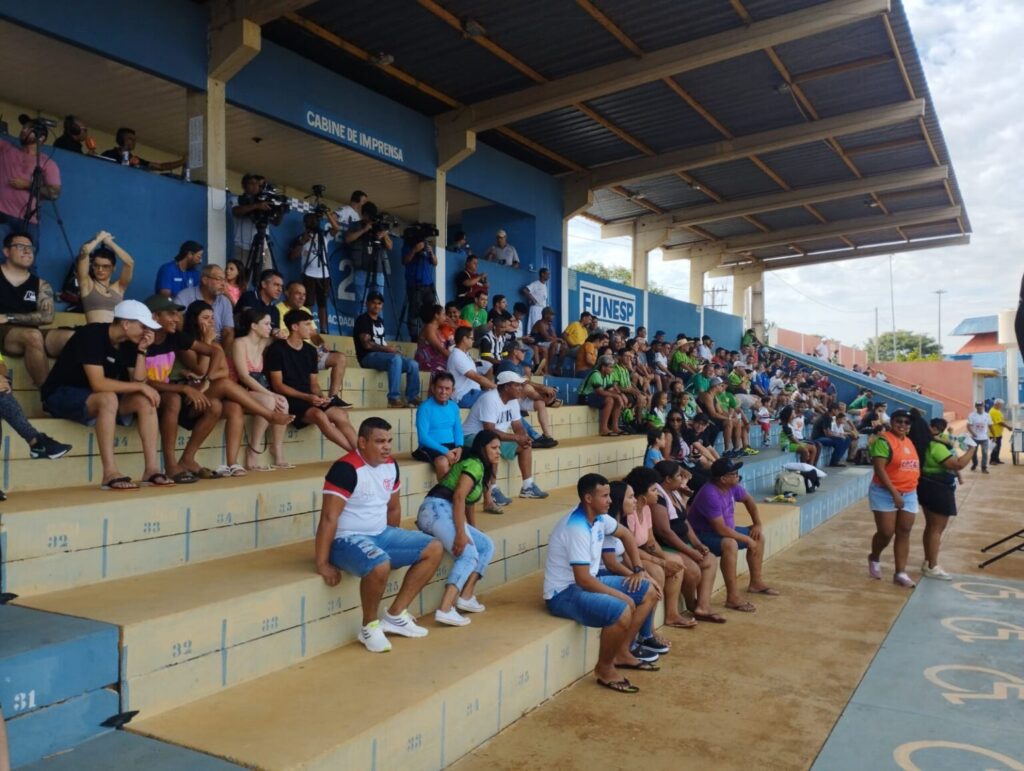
(181,478)
(284,465)
(222,470)
(159,479)
(498,510)
(710,618)
(743,607)
(205,473)
(119,484)
(556,403)
(767,591)
(643,666)
(237,471)
(691,625)
(619,686)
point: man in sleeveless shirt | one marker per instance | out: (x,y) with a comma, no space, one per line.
(26,304)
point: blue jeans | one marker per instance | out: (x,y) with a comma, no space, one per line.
(530,430)
(435,518)
(469,398)
(839,447)
(395,364)
(359,553)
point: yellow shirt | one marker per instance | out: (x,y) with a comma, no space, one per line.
(576,334)
(283,308)
(996,429)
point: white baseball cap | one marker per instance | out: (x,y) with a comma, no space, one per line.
(501,234)
(506,377)
(133,310)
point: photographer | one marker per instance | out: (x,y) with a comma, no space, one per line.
(17,167)
(75,138)
(246,210)
(368,243)
(420,277)
(316,275)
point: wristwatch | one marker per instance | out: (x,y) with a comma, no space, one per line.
(638,569)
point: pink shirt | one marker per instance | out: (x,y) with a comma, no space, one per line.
(640,525)
(15,164)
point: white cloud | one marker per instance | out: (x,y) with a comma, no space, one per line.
(971,55)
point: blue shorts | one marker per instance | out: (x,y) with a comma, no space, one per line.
(593,608)
(880,500)
(359,553)
(595,400)
(508,449)
(68,403)
(469,398)
(714,541)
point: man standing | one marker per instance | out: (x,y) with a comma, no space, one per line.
(369,246)
(502,251)
(469,383)
(335,361)
(995,431)
(536,293)
(360,533)
(821,350)
(265,297)
(978,425)
(26,305)
(211,291)
(17,166)
(182,272)
(439,427)
(316,274)
(420,280)
(373,352)
(245,211)
(617,605)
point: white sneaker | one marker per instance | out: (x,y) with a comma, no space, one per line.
(472,605)
(372,636)
(403,624)
(451,617)
(902,579)
(935,572)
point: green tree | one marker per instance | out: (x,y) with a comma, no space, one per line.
(910,346)
(614,273)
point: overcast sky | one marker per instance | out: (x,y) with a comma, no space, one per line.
(971,50)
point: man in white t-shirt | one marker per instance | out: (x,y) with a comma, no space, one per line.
(536,293)
(572,589)
(502,252)
(978,424)
(351,212)
(469,382)
(498,411)
(821,350)
(360,533)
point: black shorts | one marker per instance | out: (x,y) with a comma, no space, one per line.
(936,496)
(427,455)
(298,408)
(317,290)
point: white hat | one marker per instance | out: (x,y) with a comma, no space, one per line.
(501,234)
(998,401)
(506,377)
(133,310)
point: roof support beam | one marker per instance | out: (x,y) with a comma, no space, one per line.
(714,212)
(666,62)
(725,150)
(257,11)
(758,266)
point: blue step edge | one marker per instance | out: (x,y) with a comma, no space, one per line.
(59,727)
(124,750)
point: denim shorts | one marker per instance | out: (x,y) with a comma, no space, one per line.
(508,449)
(880,500)
(68,403)
(714,541)
(359,553)
(593,608)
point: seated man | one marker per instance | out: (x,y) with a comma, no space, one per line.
(211,291)
(576,334)
(615,604)
(476,314)
(498,411)
(265,297)
(712,517)
(373,352)
(598,391)
(551,347)
(291,367)
(535,396)
(360,533)
(828,433)
(99,380)
(180,273)
(439,427)
(335,361)
(470,383)
(586,354)
(26,305)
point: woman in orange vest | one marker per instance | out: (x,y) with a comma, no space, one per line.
(893,495)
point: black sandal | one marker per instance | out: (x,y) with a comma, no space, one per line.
(643,666)
(619,686)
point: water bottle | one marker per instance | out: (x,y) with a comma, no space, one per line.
(126,158)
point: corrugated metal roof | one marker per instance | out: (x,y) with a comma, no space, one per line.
(933,230)
(654,24)
(836,46)
(905,200)
(977,325)
(577,136)
(877,237)
(849,208)
(782,219)
(856,90)
(735,179)
(669,192)
(611,206)
(811,164)
(732,227)
(894,159)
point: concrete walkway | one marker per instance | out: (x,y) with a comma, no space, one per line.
(765,690)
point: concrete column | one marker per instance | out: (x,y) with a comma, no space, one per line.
(699,266)
(575,198)
(757,308)
(433,207)
(1007,337)
(207,162)
(741,282)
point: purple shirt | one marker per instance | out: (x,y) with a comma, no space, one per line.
(710,503)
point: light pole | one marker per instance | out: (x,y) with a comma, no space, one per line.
(939,293)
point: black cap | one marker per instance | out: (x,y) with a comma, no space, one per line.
(724,466)
(901,414)
(23,119)
(374,296)
(159,302)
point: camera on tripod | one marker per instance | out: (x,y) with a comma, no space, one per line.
(278,202)
(420,231)
(38,126)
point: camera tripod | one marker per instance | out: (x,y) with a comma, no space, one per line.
(33,209)
(380,268)
(318,257)
(262,247)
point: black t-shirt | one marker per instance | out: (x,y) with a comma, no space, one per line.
(89,345)
(367,326)
(295,366)
(492,315)
(65,142)
(252,299)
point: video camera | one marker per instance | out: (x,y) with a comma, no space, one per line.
(38,126)
(278,201)
(419,231)
(381,222)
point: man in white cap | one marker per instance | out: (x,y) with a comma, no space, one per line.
(995,431)
(502,252)
(99,380)
(498,411)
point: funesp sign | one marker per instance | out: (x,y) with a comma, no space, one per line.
(611,307)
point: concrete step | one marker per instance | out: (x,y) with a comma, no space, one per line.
(132,751)
(422,706)
(60,726)
(61,538)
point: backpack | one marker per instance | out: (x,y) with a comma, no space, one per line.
(789,482)
(811,481)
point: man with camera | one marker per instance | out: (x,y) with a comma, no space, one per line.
(368,243)
(248,209)
(420,277)
(19,208)
(311,247)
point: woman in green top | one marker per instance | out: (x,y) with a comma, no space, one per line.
(447,514)
(936,491)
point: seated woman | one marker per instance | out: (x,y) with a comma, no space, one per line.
(791,438)
(234,280)
(665,569)
(447,514)
(237,400)
(431,349)
(252,339)
(668,515)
